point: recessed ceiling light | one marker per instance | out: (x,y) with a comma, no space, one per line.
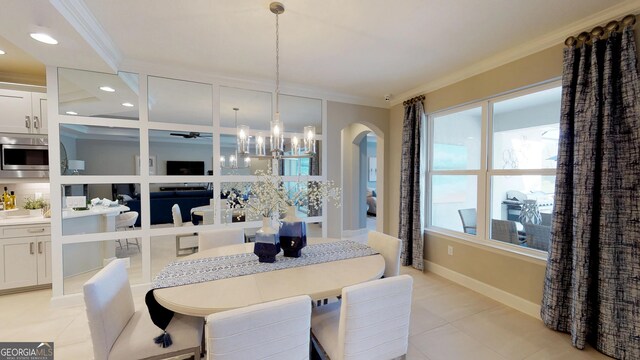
(2,52)
(44,38)
(107,89)
(127,104)
(71,113)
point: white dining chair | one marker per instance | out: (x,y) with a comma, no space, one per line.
(177,222)
(272,330)
(118,331)
(220,237)
(126,221)
(389,247)
(371,321)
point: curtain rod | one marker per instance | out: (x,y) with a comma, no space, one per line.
(413,100)
(599,31)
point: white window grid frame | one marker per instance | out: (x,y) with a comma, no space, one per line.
(484,174)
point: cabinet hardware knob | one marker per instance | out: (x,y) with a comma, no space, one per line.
(31,248)
(36,122)
(39,247)
(35,230)
(27,122)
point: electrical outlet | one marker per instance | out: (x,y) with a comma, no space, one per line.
(450,250)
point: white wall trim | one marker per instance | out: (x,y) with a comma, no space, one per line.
(516,302)
(81,18)
(525,49)
(352,233)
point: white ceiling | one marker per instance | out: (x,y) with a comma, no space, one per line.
(364,48)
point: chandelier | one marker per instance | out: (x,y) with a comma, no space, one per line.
(238,160)
(300,146)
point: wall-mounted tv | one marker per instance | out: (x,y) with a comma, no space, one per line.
(185,167)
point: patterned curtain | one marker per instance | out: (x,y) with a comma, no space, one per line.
(592,283)
(411,225)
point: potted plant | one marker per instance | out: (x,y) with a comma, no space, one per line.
(35,206)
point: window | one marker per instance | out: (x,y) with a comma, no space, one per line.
(506,195)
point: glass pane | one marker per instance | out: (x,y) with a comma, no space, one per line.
(193,200)
(232,164)
(303,208)
(83,260)
(180,102)
(454,202)
(526,130)
(96,208)
(229,215)
(98,150)
(89,93)
(181,153)
(456,140)
(164,251)
(254,109)
(523,203)
(297,112)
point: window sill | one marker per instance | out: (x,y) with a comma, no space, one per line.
(527,254)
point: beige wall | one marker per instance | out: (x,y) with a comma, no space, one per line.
(514,274)
(339,117)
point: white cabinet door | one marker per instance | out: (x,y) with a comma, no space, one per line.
(39,113)
(15,111)
(19,262)
(44,259)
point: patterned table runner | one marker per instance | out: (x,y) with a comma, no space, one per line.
(185,272)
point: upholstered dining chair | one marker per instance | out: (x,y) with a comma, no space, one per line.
(538,236)
(389,247)
(468,218)
(177,222)
(222,237)
(118,331)
(272,330)
(371,321)
(127,221)
(505,230)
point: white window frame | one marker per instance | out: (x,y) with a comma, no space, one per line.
(484,173)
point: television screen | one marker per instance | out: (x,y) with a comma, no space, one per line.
(185,167)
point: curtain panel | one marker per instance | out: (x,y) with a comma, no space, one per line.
(592,282)
(411,186)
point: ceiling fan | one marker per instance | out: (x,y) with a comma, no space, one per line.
(190,135)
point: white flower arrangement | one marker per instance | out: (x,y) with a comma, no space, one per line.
(269,196)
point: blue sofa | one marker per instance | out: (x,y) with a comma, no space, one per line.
(162,201)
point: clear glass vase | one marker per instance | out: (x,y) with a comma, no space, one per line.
(293,234)
(267,243)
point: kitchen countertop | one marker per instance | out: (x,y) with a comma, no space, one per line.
(23,220)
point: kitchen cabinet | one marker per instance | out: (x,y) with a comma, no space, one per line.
(23,112)
(25,255)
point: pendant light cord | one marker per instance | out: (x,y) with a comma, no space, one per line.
(277,65)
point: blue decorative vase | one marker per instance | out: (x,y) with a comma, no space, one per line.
(529,213)
(293,234)
(267,243)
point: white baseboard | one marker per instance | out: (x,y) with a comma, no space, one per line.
(352,233)
(516,302)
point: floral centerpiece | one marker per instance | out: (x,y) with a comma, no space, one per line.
(270,197)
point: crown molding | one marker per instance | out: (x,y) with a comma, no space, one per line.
(203,76)
(80,17)
(531,47)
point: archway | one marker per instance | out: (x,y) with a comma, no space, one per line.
(359,173)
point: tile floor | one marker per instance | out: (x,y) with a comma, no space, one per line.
(447,322)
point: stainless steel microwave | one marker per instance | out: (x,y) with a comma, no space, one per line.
(24,156)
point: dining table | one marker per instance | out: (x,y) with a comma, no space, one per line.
(319,281)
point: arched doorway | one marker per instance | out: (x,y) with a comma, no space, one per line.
(362,175)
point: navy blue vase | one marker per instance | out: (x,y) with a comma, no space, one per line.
(267,243)
(293,234)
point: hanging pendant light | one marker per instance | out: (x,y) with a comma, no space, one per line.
(300,146)
(240,158)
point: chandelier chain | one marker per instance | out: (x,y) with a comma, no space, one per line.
(277,65)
